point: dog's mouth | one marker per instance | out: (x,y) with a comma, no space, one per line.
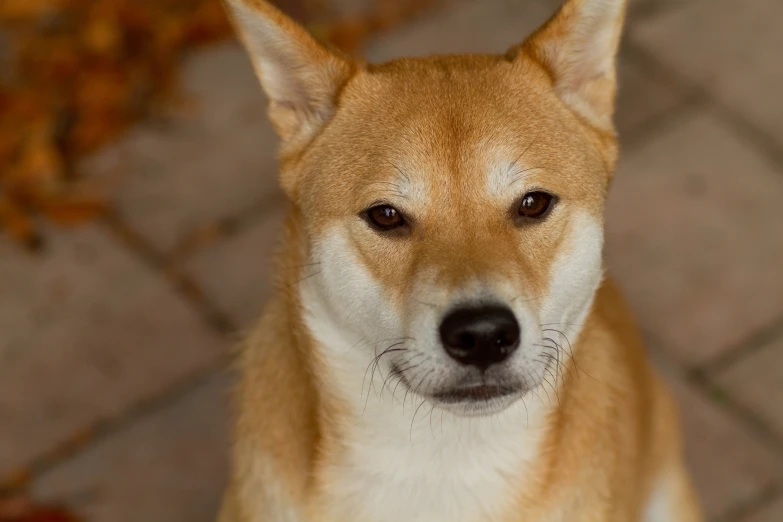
(475,394)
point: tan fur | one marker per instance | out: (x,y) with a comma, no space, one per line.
(354,134)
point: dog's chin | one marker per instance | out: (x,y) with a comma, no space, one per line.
(477,401)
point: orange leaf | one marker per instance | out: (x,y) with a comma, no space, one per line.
(74,210)
(39,168)
(17,224)
(20,509)
(103,37)
(22,10)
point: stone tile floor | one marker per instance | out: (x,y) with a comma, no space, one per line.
(114,342)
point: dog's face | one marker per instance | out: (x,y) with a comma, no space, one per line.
(452,206)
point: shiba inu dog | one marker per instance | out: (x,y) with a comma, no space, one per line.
(443,344)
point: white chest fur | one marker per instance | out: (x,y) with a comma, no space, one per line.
(434,468)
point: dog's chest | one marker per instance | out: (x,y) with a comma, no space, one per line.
(469,475)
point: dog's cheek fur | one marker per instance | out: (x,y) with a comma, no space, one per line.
(346,310)
(575,277)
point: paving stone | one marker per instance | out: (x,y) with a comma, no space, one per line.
(769,513)
(212,161)
(730,466)
(87,330)
(489,26)
(236,273)
(693,235)
(731,48)
(756,381)
(168,467)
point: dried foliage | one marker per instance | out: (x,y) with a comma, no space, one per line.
(74,74)
(20,509)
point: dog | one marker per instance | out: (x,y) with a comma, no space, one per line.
(442,344)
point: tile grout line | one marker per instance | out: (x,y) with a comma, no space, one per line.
(745,415)
(747,131)
(756,341)
(102,429)
(183,284)
(706,388)
(755,504)
(227,226)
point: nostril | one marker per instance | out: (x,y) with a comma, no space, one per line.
(480,336)
(466,341)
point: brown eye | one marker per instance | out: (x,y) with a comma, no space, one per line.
(535,204)
(384,217)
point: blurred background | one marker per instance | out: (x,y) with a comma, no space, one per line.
(138,203)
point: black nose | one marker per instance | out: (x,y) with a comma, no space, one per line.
(480,336)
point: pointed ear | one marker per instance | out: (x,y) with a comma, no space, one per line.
(302,78)
(578,47)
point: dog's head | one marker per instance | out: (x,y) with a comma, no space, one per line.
(451,206)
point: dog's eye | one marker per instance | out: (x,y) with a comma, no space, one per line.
(535,204)
(384,217)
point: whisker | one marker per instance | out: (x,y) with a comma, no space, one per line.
(558,348)
(557,395)
(431,411)
(522,178)
(414,417)
(294,267)
(571,349)
(398,169)
(407,369)
(305,278)
(374,365)
(416,388)
(513,163)
(527,300)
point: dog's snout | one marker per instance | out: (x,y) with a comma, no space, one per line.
(480,336)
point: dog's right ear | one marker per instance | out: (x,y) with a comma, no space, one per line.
(578,48)
(302,78)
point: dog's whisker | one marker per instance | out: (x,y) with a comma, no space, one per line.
(557,348)
(554,389)
(430,415)
(305,278)
(374,365)
(305,265)
(414,417)
(571,350)
(528,300)
(407,368)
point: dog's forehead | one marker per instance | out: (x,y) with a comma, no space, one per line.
(429,130)
(422,116)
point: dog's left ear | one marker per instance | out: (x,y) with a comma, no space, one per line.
(578,48)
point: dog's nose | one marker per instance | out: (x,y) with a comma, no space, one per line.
(480,336)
